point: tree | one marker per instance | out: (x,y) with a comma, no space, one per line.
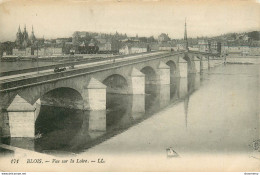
(255,35)
(7,47)
(151,39)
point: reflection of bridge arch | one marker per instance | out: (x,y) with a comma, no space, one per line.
(150,75)
(173,67)
(116,83)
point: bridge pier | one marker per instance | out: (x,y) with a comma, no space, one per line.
(4,124)
(197,64)
(211,63)
(191,66)
(204,63)
(183,67)
(218,62)
(164,73)
(215,62)
(94,96)
(138,82)
(201,64)
(20,116)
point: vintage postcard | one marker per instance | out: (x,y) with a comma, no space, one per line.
(120,85)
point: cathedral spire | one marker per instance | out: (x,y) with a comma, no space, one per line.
(19,29)
(32,37)
(185,37)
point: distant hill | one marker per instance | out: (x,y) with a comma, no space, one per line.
(254,35)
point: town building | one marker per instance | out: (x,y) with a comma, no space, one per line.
(203,45)
(133,48)
(44,51)
(180,46)
(167,46)
(243,50)
(48,51)
(254,51)
(103,47)
(22,52)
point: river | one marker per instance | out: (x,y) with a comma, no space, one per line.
(18,65)
(216,111)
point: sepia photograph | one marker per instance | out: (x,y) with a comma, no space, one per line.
(129,86)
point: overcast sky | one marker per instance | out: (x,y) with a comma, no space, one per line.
(60,19)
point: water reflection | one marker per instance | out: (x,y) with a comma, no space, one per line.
(183,88)
(138,106)
(186,109)
(57,127)
(175,88)
(117,111)
(97,120)
(97,123)
(163,97)
(193,83)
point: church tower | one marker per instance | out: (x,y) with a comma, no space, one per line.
(32,37)
(19,38)
(185,37)
(25,38)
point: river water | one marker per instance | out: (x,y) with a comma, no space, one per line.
(217,111)
(18,65)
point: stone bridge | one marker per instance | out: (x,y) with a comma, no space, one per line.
(86,87)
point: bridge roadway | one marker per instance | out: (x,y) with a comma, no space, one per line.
(12,82)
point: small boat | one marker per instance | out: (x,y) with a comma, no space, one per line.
(171,153)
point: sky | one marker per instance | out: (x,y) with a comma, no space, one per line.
(53,19)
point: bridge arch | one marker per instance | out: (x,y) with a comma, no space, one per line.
(116,83)
(190,63)
(63,96)
(34,93)
(150,75)
(173,68)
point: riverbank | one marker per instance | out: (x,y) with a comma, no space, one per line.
(243,60)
